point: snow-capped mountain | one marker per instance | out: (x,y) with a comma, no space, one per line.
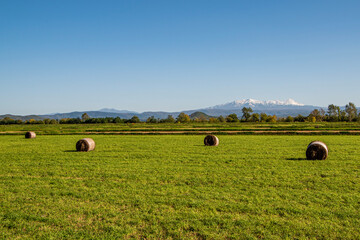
(258,104)
(113,110)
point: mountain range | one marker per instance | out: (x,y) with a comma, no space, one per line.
(258,104)
(271,107)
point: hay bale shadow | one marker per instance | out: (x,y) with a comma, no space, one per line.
(297,159)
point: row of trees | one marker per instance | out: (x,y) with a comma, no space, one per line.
(333,114)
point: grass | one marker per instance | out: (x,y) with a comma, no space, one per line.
(189,128)
(173,187)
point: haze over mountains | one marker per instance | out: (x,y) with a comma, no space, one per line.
(113,110)
(270,107)
(257,104)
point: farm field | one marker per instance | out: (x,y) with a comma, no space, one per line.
(319,128)
(173,187)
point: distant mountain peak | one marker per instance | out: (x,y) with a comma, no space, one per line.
(291,101)
(248,101)
(257,103)
(113,110)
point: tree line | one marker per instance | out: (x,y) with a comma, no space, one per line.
(333,114)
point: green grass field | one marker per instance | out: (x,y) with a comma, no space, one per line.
(188,128)
(173,187)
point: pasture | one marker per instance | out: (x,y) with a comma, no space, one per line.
(174,187)
(319,128)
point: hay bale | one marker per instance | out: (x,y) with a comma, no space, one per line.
(85,145)
(211,140)
(30,135)
(317,151)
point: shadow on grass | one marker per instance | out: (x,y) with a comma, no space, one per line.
(298,159)
(70,151)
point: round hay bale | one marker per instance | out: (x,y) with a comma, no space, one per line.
(30,135)
(317,151)
(85,145)
(211,140)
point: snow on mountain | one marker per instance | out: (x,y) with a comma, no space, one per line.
(113,110)
(258,104)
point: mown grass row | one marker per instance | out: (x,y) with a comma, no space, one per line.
(236,128)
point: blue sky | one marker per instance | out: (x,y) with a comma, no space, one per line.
(70,55)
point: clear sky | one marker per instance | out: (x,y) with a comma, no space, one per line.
(81,55)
